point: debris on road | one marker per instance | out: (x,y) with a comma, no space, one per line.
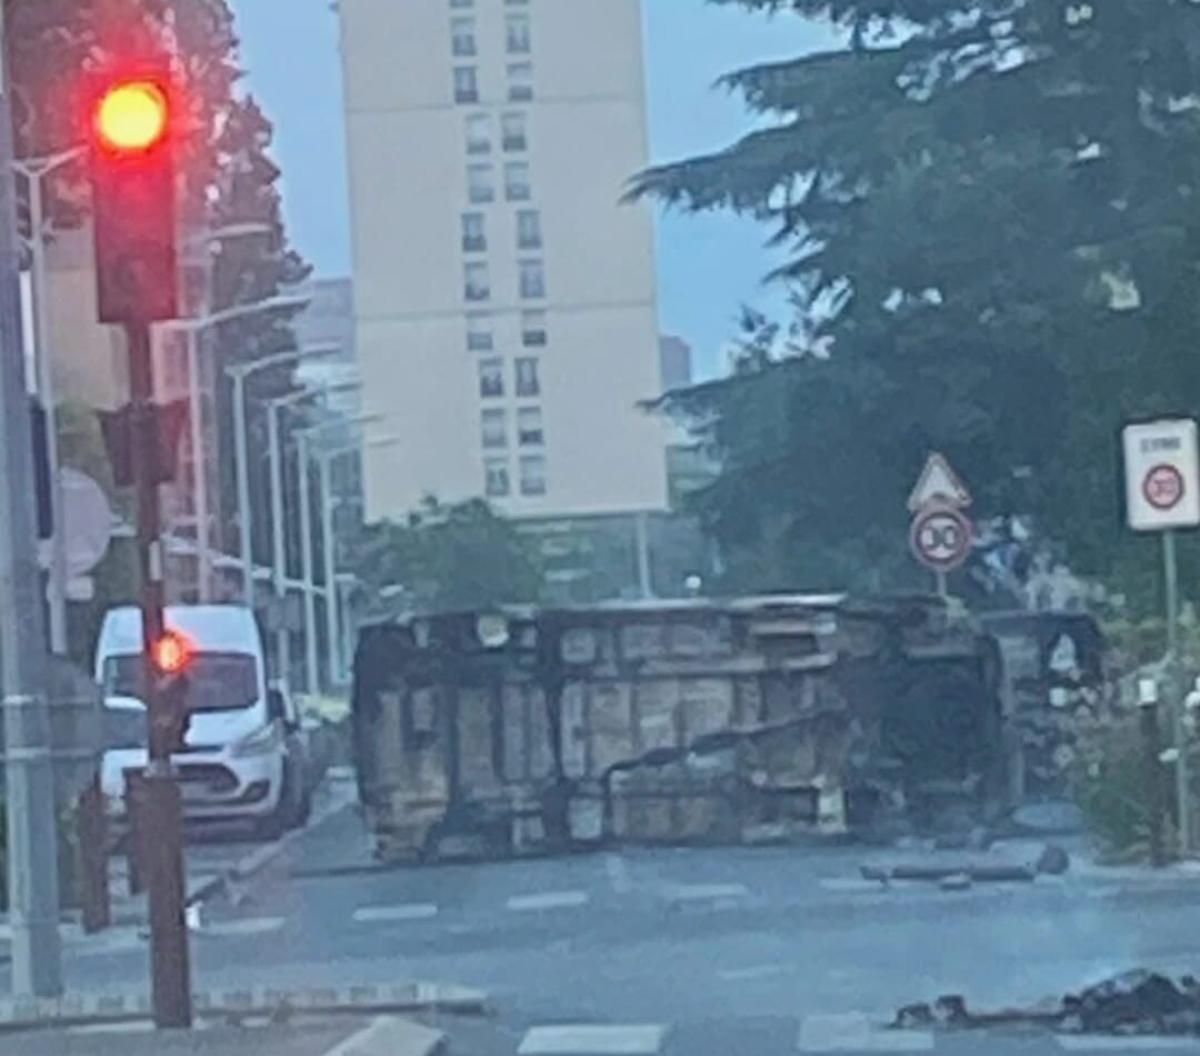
(956,874)
(1137,1002)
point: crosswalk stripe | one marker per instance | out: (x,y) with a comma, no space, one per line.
(590,1039)
(548,900)
(707,892)
(854,1032)
(237,928)
(1102,1043)
(405,911)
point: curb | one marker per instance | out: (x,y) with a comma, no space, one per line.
(23,1014)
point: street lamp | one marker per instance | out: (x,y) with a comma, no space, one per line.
(325,457)
(275,407)
(239,373)
(34,171)
(303,436)
(192,328)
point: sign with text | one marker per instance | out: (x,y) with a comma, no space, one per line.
(1162,475)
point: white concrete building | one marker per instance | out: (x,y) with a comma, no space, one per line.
(505,298)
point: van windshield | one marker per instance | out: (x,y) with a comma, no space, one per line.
(217,681)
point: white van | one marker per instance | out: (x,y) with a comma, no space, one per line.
(235,764)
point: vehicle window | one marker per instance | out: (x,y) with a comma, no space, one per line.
(217,681)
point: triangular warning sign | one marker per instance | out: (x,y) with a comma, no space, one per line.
(938,483)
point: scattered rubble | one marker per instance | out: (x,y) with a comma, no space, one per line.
(1137,1002)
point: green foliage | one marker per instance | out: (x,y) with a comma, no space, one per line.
(993,240)
(448,558)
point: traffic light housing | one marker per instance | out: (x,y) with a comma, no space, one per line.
(171,656)
(133,193)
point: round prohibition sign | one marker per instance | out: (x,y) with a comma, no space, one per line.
(940,538)
(1162,486)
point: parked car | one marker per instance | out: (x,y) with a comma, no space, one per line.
(235,764)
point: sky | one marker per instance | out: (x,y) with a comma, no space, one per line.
(708,265)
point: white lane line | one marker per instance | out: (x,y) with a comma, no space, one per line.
(854,1032)
(849,884)
(236,928)
(1103,1043)
(405,911)
(548,900)
(593,1040)
(707,892)
(393,1037)
(754,971)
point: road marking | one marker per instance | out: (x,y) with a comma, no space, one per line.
(707,892)
(587,1039)
(236,928)
(1103,1043)
(390,1036)
(548,900)
(618,874)
(854,1032)
(754,971)
(849,884)
(405,911)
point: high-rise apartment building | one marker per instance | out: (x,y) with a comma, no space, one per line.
(504,296)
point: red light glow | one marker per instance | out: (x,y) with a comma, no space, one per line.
(132,117)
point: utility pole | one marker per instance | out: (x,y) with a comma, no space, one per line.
(133,191)
(29,781)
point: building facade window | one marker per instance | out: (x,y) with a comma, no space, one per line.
(533,475)
(520,81)
(479,134)
(480,187)
(513,136)
(516,181)
(491,377)
(529,229)
(476,285)
(529,427)
(494,429)
(518,34)
(526,375)
(466,85)
(474,234)
(462,37)
(533,329)
(532,279)
(479,333)
(496,478)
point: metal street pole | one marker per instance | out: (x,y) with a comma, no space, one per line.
(160,809)
(312,676)
(1182,779)
(239,373)
(29,783)
(199,469)
(283,636)
(645,583)
(34,172)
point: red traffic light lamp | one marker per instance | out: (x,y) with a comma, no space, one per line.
(132,116)
(133,197)
(171,653)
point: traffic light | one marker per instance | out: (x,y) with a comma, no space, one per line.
(133,191)
(171,656)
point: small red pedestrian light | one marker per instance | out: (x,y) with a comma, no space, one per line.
(132,116)
(171,653)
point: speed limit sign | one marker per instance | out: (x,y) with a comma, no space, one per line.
(940,537)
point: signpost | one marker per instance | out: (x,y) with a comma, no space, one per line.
(1162,494)
(941,534)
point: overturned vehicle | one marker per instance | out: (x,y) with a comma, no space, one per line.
(523,730)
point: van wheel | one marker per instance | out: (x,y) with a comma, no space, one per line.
(275,824)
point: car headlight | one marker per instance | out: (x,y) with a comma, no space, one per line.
(260,742)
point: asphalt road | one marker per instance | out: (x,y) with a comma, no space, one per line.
(712,952)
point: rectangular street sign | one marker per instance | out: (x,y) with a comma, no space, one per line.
(1162,475)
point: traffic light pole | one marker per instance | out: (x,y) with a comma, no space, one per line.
(29,777)
(159,811)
